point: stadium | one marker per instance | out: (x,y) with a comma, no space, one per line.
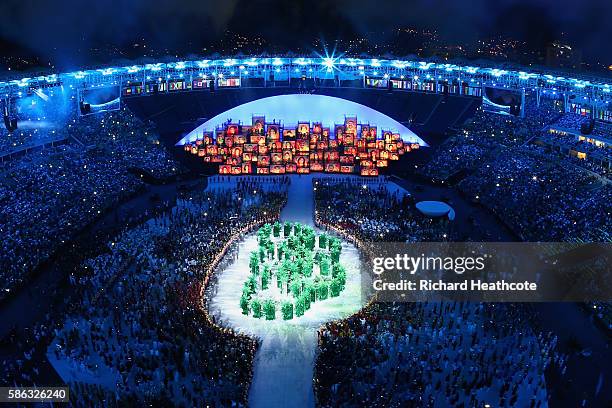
(202,232)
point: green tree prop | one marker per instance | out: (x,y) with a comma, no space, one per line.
(254,262)
(299,307)
(322,241)
(244,304)
(324,265)
(287,310)
(290,260)
(307,268)
(296,288)
(297,228)
(335,254)
(256,308)
(306,300)
(335,287)
(323,290)
(340,273)
(265,277)
(252,283)
(269,309)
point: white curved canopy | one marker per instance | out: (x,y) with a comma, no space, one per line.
(294,108)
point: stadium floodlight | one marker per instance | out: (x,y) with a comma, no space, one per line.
(375,63)
(180,65)
(498,72)
(302,61)
(203,63)
(107,71)
(154,67)
(277,62)
(252,62)
(523,76)
(329,63)
(229,62)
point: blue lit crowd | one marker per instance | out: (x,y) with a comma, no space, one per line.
(371,212)
(422,354)
(139,334)
(540,194)
(48,195)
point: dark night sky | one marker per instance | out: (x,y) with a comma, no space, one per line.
(63,30)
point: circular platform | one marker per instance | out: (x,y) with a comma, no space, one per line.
(436,209)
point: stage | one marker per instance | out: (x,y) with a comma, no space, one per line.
(284,364)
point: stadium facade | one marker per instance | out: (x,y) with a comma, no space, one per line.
(589,96)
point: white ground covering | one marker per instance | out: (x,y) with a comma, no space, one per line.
(284,364)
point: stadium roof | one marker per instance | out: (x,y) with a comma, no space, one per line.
(325,64)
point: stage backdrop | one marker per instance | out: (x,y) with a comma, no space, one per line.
(291,109)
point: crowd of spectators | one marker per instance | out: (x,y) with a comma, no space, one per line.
(140,333)
(541,200)
(571,121)
(48,195)
(422,354)
(373,212)
(436,355)
(582,153)
(540,194)
(481,137)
